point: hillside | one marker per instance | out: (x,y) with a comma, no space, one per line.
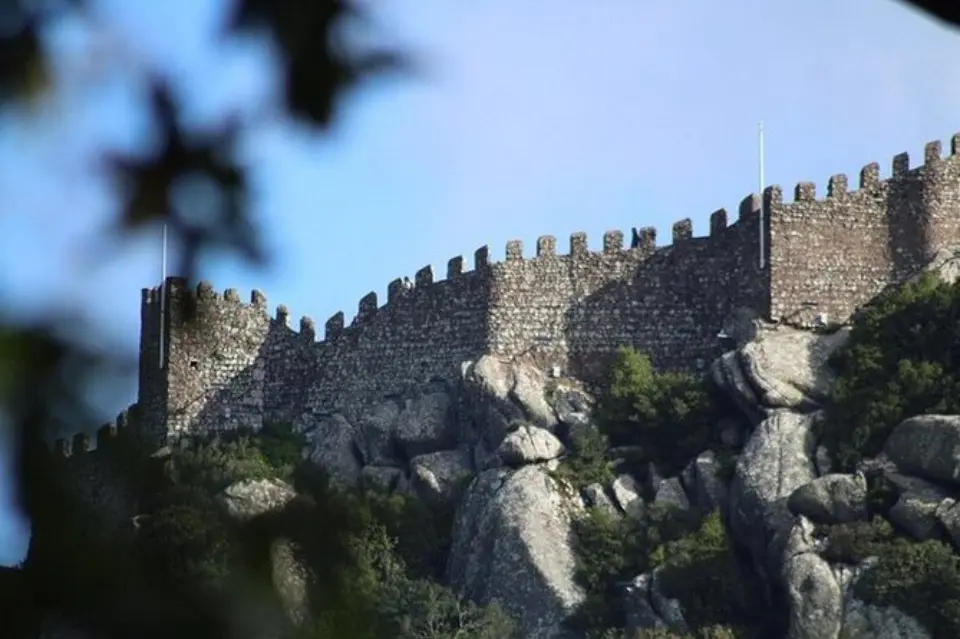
(805,488)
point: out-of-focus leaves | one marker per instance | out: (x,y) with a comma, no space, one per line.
(23,67)
(944,10)
(317,67)
(151,182)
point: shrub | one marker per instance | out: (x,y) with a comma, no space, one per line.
(589,461)
(188,543)
(702,572)
(921,579)
(671,416)
(902,359)
(853,542)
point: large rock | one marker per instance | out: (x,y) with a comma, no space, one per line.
(498,393)
(332,446)
(788,368)
(815,597)
(927,446)
(775,462)
(512,542)
(831,499)
(375,434)
(529,445)
(291,579)
(439,478)
(245,500)
(426,425)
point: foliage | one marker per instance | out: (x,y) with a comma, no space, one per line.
(589,460)
(672,416)
(702,571)
(902,359)
(922,579)
(854,542)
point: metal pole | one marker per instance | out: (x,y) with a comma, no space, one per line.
(762,186)
(163,290)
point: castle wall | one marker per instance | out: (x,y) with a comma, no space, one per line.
(576,310)
(833,255)
(97,479)
(235,365)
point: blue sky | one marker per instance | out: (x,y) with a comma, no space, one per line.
(531,117)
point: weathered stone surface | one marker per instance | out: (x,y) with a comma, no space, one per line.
(775,462)
(290,579)
(640,614)
(629,496)
(529,445)
(865,621)
(384,478)
(439,477)
(670,492)
(248,499)
(927,446)
(831,499)
(425,425)
(512,543)
(332,446)
(596,497)
(375,433)
(707,490)
(815,597)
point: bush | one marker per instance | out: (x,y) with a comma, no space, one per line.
(671,416)
(921,579)
(701,570)
(589,460)
(854,542)
(902,359)
(189,544)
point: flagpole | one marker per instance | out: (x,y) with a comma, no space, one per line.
(163,290)
(762,187)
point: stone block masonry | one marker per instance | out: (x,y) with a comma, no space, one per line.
(234,365)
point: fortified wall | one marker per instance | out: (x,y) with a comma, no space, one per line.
(221,363)
(93,470)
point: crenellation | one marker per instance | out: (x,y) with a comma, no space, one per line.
(258,299)
(772,197)
(231,295)
(750,207)
(206,291)
(367,307)
(283,315)
(395,290)
(308,329)
(932,153)
(481,258)
(682,230)
(423,277)
(870,177)
(955,145)
(546,246)
(718,222)
(454,267)
(106,434)
(80,444)
(514,250)
(61,448)
(569,311)
(334,326)
(837,186)
(578,244)
(901,164)
(644,239)
(613,242)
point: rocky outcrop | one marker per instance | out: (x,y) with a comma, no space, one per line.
(512,543)
(249,499)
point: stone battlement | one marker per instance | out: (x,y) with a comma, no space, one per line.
(234,364)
